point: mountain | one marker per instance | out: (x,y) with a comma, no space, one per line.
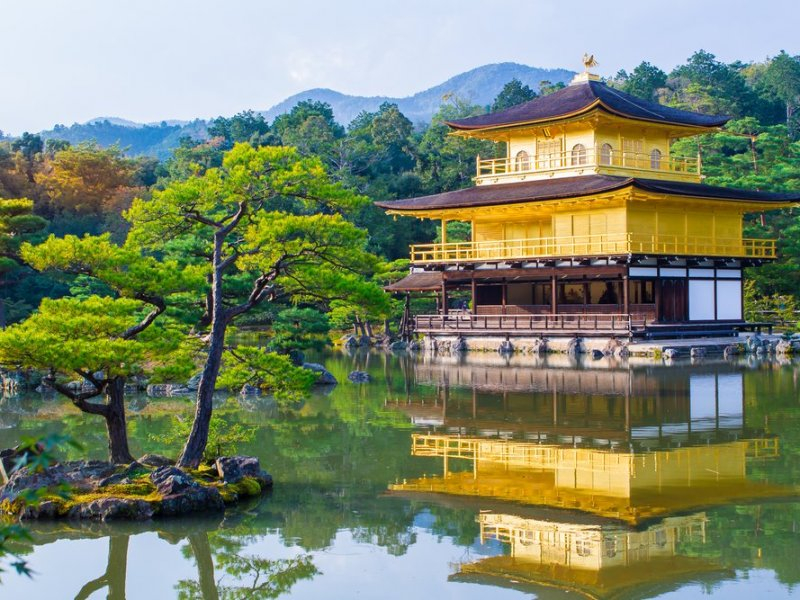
(478,86)
(137,139)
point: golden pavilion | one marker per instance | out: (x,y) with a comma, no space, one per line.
(589,225)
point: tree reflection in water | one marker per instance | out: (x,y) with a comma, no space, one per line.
(223,570)
(115,573)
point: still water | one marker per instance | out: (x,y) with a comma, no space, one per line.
(471,477)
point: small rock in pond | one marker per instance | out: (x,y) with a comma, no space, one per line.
(325,377)
(359,377)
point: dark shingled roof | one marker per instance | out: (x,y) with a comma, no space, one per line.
(570,187)
(581,97)
(417,282)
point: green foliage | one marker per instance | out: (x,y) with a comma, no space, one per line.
(300,329)
(781,308)
(457,231)
(121,268)
(271,372)
(645,81)
(17,225)
(512,94)
(70,336)
(263,578)
(36,454)
(447,162)
(247,126)
(225,434)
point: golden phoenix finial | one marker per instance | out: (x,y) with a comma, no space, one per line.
(589,61)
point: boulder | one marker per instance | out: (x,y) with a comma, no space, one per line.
(671,354)
(182,495)
(784,348)
(574,347)
(539,346)
(109,509)
(232,469)
(597,354)
(81,476)
(171,480)
(729,351)
(359,377)
(460,345)
(398,346)
(506,347)
(167,390)
(414,346)
(697,352)
(156,460)
(753,343)
(194,382)
(325,377)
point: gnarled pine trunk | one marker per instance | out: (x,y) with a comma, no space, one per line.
(198,437)
(118,451)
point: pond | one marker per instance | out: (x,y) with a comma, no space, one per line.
(464,477)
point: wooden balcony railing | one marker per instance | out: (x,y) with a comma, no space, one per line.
(560,323)
(591,245)
(590,157)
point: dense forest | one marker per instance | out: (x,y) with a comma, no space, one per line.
(84,188)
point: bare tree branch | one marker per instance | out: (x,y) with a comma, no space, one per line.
(79,399)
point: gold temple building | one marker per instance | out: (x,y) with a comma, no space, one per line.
(589,225)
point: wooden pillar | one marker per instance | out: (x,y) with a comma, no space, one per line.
(474,291)
(657,297)
(444,231)
(626,295)
(553,295)
(555,407)
(444,297)
(503,295)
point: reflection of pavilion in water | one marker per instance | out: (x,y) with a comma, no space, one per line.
(594,560)
(631,486)
(551,400)
(593,476)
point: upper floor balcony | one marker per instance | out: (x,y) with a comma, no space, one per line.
(612,244)
(583,161)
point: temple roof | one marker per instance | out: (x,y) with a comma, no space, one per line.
(571,187)
(417,282)
(583,97)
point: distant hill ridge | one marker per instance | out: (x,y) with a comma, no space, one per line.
(478,86)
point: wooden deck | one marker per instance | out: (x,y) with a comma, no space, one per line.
(529,325)
(582,325)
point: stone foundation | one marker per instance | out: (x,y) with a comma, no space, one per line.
(597,347)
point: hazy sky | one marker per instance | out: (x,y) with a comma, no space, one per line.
(68,61)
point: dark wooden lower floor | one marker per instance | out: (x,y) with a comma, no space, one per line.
(463,323)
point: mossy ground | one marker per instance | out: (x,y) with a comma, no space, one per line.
(140,488)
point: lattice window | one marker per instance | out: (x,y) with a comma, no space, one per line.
(523,161)
(655,159)
(606,154)
(578,155)
(632,151)
(548,154)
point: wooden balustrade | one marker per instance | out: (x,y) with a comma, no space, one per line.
(592,245)
(533,323)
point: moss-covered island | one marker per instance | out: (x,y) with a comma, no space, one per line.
(148,488)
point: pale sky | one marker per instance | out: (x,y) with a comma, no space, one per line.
(67,61)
